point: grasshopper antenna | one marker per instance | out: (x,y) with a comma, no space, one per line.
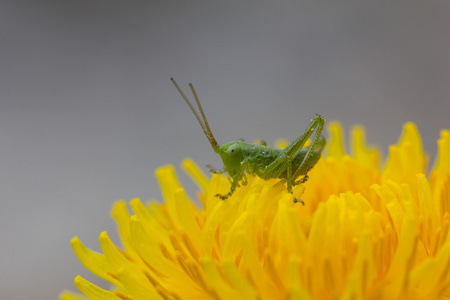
(203,123)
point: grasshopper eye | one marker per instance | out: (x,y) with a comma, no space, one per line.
(232,150)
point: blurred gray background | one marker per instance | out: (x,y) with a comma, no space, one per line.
(87,110)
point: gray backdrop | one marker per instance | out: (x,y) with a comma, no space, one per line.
(87,111)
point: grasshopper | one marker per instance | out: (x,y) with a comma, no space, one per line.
(240,158)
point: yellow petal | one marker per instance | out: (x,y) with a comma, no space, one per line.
(196,174)
(187,217)
(210,228)
(336,147)
(138,288)
(239,282)
(92,291)
(94,262)
(67,295)
(169,183)
(122,217)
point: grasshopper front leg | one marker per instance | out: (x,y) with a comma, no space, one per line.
(215,171)
(236,178)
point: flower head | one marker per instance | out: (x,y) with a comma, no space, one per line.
(364,233)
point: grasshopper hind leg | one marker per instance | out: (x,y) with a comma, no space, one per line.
(304,178)
(313,153)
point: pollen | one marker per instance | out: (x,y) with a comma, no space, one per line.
(365,232)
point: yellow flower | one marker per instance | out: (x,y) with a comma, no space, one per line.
(363,233)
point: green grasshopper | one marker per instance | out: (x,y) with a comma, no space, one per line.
(240,158)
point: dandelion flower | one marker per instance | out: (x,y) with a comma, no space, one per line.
(365,233)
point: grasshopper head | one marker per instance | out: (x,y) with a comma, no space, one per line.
(232,156)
